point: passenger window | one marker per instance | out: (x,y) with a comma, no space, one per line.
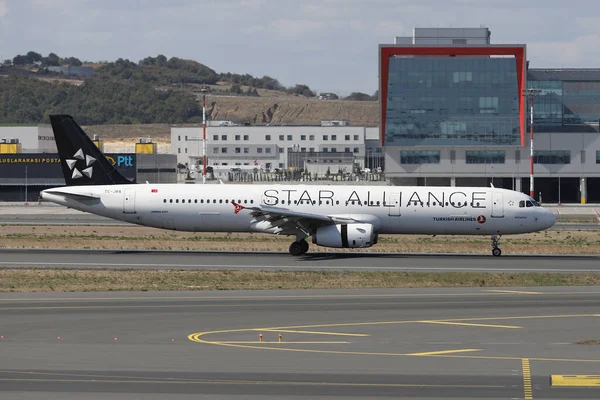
(377,203)
(195,201)
(189,201)
(176,200)
(251,201)
(171,200)
(337,202)
(214,201)
(164,200)
(220,201)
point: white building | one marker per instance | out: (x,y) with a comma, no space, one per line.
(273,147)
(33,139)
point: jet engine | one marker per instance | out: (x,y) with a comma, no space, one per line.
(345,235)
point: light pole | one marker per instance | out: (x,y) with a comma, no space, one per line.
(531,93)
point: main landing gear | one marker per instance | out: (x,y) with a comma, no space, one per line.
(298,247)
(495,249)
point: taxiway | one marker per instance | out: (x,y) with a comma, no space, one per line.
(434,343)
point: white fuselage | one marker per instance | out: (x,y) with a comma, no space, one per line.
(391,209)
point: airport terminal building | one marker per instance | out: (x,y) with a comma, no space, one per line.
(29,163)
(455,111)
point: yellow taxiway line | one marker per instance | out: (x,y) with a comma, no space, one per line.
(436,353)
(575,380)
(471,324)
(312,332)
(527,379)
(265,342)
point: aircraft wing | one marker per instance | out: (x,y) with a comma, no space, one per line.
(283,220)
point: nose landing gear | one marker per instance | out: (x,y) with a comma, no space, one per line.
(496,252)
(299,247)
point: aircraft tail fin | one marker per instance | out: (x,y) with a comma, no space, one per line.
(81,160)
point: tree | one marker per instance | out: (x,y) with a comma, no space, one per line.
(52,60)
(302,90)
(358,96)
(34,57)
(21,60)
(236,89)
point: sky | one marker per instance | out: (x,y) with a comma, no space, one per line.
(329,45)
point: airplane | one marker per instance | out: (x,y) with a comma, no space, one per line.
(334,216)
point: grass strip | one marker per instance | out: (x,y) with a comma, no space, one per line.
(63,280)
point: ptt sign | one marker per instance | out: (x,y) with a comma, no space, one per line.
(126,161)
(120,160)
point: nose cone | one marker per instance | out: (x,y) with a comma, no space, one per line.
(548,219)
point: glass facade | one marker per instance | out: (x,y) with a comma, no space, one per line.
(446,101)
(552,157)
(485,156)
(419,157)
(564,105)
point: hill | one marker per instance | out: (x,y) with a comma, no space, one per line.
(158,90)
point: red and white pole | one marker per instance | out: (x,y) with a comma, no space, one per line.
(531,190)
(204,136)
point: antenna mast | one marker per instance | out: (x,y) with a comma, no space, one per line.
(204,137)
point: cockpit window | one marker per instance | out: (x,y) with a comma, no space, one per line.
(535,203)
(528,203)
(522,203)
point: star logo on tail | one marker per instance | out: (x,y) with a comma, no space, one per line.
(87,160)
(237,207)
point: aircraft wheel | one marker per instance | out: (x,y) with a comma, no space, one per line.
(296,248)
(304,246)
(496,251)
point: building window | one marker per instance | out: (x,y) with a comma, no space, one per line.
(246,137)
(333,137)
(302,149)
(333,150)
(346,137)
(179,150)
(312,149)
(280,150)
(552,157)
(268,150)
(259,150)
(485,157)
(215,137)
(325,137)
(302,137)
(246,150)
(420,157)
(267,137)
(237,137)
(223,149)
(311,137)
(223,137)
(281,137)
(215,150)
(355,137)
(179,138)
(325,150)
(347,150)
(488,105)
(185,150)
(186,138)
(280,165)
(238,150)
(355,150)
(289,137)
(289,149)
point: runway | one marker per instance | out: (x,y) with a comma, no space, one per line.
(189,260)
(410,343)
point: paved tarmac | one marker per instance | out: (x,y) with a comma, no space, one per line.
(190,260)
(411,343)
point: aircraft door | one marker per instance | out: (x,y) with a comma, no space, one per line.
(393,204)
(497,205)
(129,201)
